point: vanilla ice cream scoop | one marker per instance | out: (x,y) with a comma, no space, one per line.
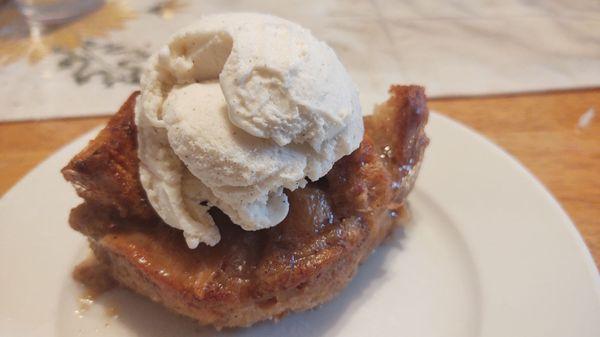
(235,109)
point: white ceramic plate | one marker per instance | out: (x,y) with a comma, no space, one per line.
(489,253)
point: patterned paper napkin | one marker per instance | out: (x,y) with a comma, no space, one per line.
(468,47)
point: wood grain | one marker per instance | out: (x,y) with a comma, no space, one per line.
(540,129)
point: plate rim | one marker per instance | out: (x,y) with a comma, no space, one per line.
(541,187)
(583,252)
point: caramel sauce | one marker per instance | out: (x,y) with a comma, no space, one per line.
(96,279)
(111,311)
(85,301)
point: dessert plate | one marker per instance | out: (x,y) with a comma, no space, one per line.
(488,252)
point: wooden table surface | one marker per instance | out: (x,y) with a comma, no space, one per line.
(542,130)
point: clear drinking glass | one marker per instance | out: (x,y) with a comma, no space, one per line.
(49,12)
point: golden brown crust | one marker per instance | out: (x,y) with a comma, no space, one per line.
(105,172)
(332,226)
